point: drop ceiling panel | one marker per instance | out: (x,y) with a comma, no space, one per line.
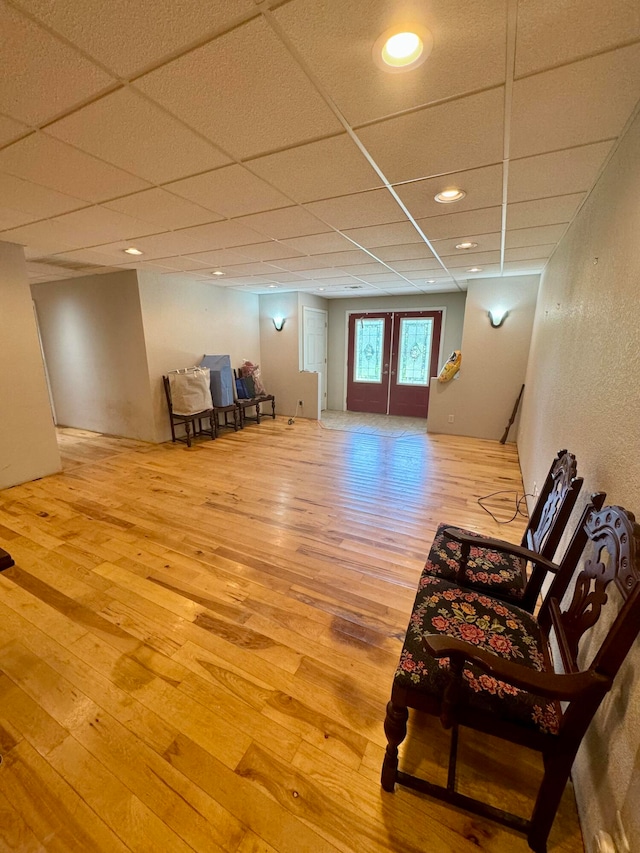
(320,243)
(48,236)
(483,188)
(272,250)
(534,267)
(486,242)
(129,36)
(13,218)
(93,225)
(164,209)
(44,160)
(535,236)
(47,76)
(383,235)
(556,33)
(527,253)
(353,211)
(286,222)
(219,257)
(383,278)
(462,134)
(408,251)
(364,269)
(264,89)
(561,172)
(335,39)
(221,235)
(469,257)
(165,245)
(429,263)
(257,268)
(35,199)
(231,191)
(460,224)
(587,101)
(10,129)
(543,211)
(323,169)
(130,132)
(485,272)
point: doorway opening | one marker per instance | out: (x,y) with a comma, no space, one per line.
(391,358)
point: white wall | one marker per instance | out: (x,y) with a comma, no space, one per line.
(28,447)
(339,308)
(93,341)
(494,361)
(583,393)
(185,319)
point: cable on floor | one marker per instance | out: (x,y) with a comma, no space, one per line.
(518,502)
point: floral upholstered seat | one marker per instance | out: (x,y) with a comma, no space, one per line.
(488,570)
(503,629)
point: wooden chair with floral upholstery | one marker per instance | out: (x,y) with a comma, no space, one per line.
(481,663)
(500,568)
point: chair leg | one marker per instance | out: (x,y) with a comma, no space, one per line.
(187,429)
(257,413)
(273,409)
(214,432)
(395,728)
(556,775)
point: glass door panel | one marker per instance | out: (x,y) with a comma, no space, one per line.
(368,362)
(414,360)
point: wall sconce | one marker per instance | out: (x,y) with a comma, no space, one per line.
(278,322)
(497,317)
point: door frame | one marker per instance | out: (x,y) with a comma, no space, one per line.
(370,310)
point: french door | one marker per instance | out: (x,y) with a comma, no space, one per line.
(391,359)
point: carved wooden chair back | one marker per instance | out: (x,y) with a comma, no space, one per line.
(551,513)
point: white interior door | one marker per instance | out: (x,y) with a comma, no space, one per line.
(314,341)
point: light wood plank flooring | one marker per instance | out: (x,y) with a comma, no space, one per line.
(196,646)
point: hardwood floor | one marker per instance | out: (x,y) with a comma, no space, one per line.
(196,646)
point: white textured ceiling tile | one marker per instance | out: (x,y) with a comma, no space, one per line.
(284,277)
(364,269)
(35,199)
(336,38)
(272,250)
(186,264)
(552,34)
(405,251)
(256,268)
(165,245)
(533,266)
(559,173)
(430,263)
(284,223)
(221,235)
(382,278)
(44,160)
(354,211)
(328,274)
(10,218)
(163,209)
(458,135)
(543,211)
(484,272)
(320,243)
(220,257)
(460,224)
(486,242)
(128,36)
(244,91)
(96,224)
(584,102)
(471,258)
(46,236)
(129,131)
(231,191)
(483,188)
(383,235)
(340,259)
(527,253)
(534,236)
(10,129)
(47,76)
(90,257)
(318,170)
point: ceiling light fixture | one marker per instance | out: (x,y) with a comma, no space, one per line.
(272,285)
(402,48)
(467,245)
(217,272)
(449,195)
(133,251)
(474,269)
(320,289)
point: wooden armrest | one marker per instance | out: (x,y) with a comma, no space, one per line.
(553,685)
(499,545)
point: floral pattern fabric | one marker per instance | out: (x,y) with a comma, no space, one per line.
(504,629)
(490,571)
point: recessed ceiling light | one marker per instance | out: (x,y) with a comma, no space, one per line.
(431,281)
(402,48)
(132,251)
(467,245)
(272,285)
(449,195)
(474,269)
(320,289)
(217,272)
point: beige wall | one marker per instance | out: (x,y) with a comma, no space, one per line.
(494,361)
(93,341)
(583,393)
(28,447)
(453,303)
(185,319)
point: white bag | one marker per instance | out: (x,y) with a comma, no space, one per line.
(190,390)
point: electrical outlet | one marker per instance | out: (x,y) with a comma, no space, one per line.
(450,419)
(536,490)
(300,402)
